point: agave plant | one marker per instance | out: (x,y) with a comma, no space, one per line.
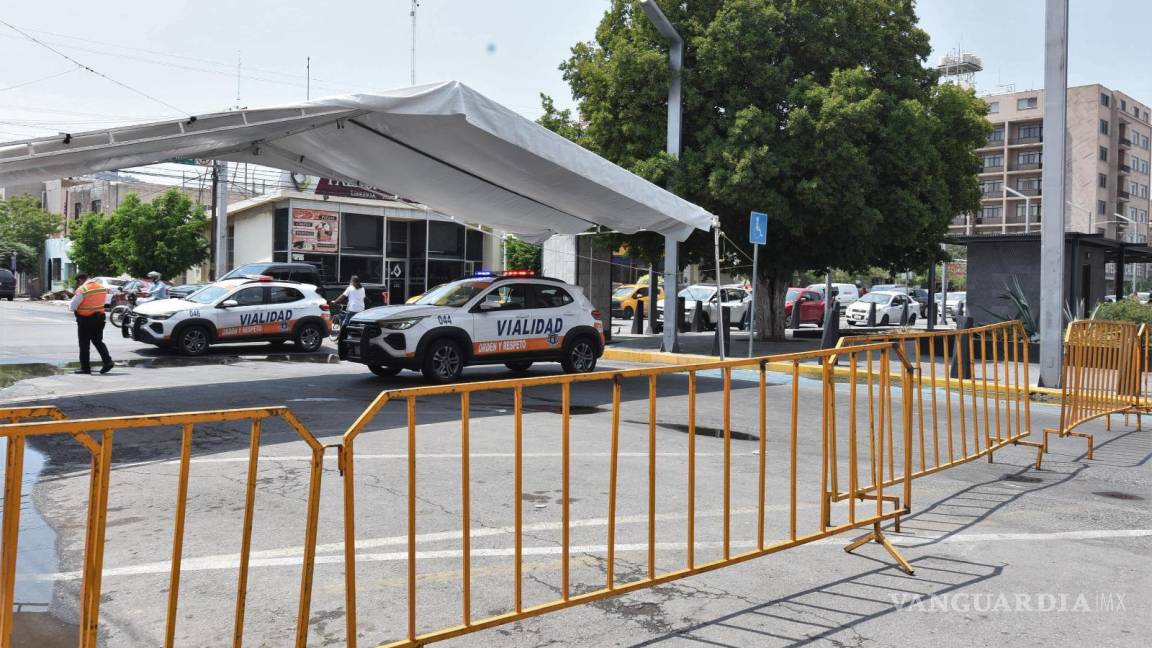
(1029,316)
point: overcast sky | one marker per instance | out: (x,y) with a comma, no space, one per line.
(185,53)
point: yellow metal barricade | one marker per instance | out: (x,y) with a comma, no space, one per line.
(794,423)
(97,436)
(17,414)
(971,391)
(1102,375)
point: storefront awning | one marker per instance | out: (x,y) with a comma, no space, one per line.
(444,145)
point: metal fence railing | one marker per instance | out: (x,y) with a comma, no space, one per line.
(97,436)
(839,439)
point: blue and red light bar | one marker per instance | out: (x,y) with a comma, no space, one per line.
(489,274)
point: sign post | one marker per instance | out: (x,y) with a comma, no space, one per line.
(757,236)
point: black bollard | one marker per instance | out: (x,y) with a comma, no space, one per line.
(638,319)
(960,311)
(904,315)
(681,321)
(961,355)
(831,333)
(725,329)
(871,315)
(794,316)
(698,317)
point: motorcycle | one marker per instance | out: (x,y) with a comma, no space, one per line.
(122,312)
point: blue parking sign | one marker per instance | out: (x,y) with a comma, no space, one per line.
(758,228)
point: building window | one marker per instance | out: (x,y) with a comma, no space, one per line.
(1103,153)
(993,161)
(76,207)
(993,107)
(1104,126)
(1029,132)
(1028,157)
(997,135)
(992,187)
(989,213)
(1028,184)
(1102,207)
(1105,100)
(1102,181)
(362,233)
(96,206)
(1020,207)
(1123,105)
(1026,103)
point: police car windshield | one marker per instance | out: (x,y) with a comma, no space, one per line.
(698,293)
(207,295)
(453,294)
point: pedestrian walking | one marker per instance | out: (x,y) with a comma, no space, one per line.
(88,304)
(354,295)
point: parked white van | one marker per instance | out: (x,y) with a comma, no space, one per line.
(846,293)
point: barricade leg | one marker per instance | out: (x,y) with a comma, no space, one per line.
(877,535)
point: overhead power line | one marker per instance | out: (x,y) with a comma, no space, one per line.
(97,73)
(50,76)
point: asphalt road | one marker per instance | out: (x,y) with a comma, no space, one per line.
(1004,554)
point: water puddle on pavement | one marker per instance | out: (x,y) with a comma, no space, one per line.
(13,373)
(32,624)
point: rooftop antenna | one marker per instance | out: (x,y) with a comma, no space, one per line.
(239,65)
(308,73)
(412,14)
(960,68)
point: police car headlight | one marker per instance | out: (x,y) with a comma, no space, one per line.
(157,318)
(400,324)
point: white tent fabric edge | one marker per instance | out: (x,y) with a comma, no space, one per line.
(444,145)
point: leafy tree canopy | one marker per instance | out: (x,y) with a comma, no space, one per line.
(24,221)
(90,251)
(25,254)
(166,235)
(821,113)
(521,255)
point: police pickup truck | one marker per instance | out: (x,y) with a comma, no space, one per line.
(515,319)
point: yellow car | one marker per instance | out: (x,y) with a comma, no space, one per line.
(625,298)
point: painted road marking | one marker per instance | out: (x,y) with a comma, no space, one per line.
(210,563)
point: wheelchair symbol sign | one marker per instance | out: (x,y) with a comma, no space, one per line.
(758,228)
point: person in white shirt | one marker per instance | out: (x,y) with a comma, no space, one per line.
(354,295)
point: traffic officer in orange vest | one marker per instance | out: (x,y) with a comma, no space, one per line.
(88,304)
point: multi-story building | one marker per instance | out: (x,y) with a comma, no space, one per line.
(1107,174)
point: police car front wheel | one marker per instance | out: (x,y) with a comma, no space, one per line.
(193,340)
(443,361)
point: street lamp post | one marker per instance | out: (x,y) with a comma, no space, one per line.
(670,341)
(1027,208)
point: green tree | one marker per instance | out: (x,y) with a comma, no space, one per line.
(91,241)
(521,255)
(166,235)
(24,221)
(821,113)
(25,254)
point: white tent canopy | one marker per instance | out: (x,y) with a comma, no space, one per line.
(444,145)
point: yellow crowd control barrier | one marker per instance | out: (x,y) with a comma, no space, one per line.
(792,422)
(972,395)
(97,436)
(1104,373)
(16,414)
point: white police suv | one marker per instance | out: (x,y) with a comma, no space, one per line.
(249,309)
(515,319)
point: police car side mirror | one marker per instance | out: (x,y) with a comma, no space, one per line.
(228,303)
(489,305)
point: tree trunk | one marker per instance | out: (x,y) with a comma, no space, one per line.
(770,296)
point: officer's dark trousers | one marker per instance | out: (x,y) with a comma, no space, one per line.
(90,331)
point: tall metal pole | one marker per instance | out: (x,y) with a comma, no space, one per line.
(221,219)
(1052,209)
(752,305)
(720,323)
(671,340)
(308,82)
(412,56)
